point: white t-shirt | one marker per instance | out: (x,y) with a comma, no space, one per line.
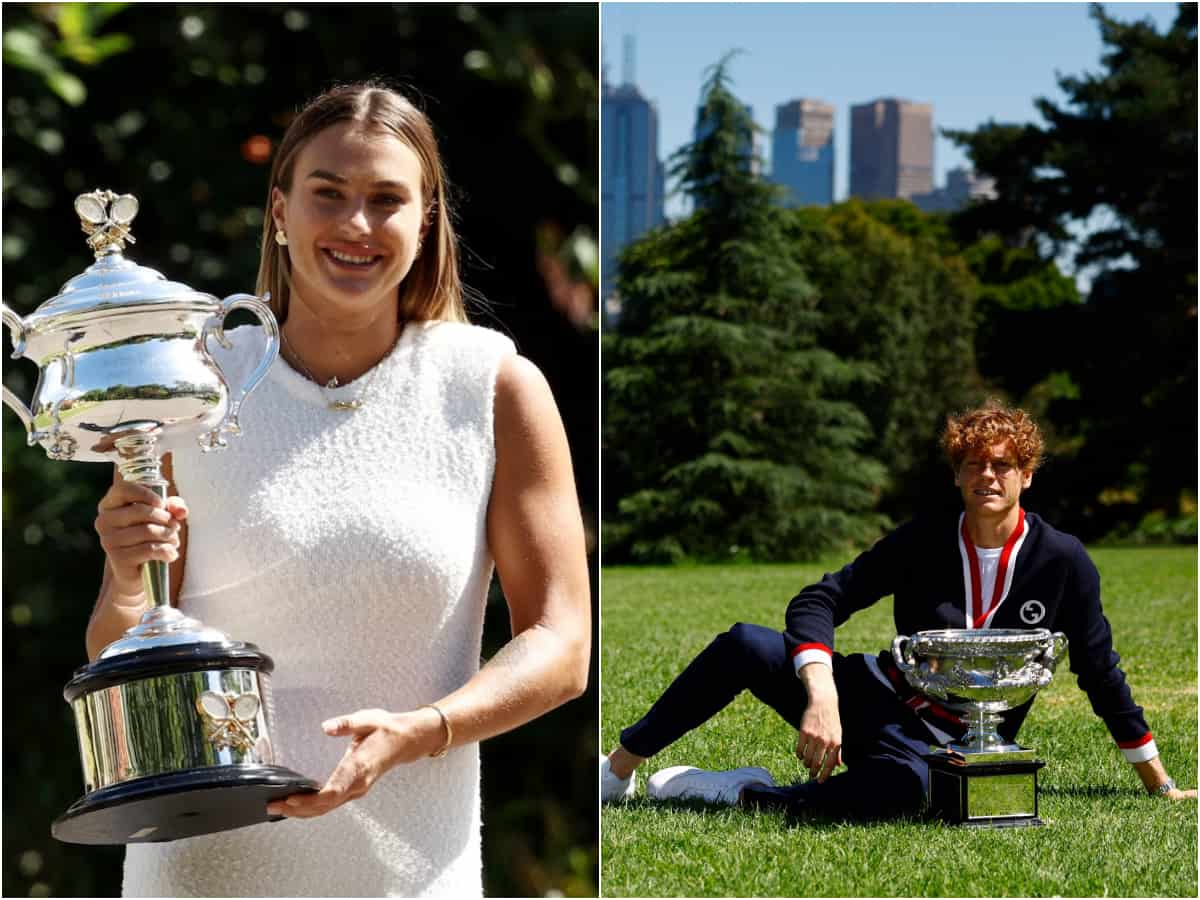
(989,565)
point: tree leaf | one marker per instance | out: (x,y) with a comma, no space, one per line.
(23,48)
(67,86)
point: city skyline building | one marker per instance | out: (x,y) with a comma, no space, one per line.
(891,149)
(631,174)
(962,187)
(802,151)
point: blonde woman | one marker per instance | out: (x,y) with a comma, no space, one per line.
(390,459)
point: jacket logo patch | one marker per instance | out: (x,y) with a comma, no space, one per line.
(1032,612)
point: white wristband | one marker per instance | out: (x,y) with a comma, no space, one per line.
(814,655)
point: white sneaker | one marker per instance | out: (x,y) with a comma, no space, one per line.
(612,788)
(690,783)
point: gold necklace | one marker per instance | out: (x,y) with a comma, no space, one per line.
(333,383)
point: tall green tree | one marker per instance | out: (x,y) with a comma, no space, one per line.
(1120,151)
(727,428)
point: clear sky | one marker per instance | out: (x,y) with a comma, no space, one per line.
(972,61)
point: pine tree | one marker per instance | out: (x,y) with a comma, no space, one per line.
(727,429)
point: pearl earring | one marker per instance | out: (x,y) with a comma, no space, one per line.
(281,238)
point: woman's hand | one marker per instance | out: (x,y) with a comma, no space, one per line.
(380,741)
(135,526)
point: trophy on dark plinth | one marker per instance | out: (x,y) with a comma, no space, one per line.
(173,718)
(983,781)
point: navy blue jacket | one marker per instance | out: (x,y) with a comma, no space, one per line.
(1054,585)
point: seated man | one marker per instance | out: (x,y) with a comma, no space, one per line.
(991,566)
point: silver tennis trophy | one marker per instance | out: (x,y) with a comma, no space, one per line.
(173,718)
(983,781)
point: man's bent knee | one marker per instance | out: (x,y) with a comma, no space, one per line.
(751,640)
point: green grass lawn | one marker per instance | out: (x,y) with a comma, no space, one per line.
(1105,836)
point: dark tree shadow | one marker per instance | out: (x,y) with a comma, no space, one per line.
(788,818)
(1093,792)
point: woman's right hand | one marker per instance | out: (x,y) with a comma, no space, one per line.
(136,525)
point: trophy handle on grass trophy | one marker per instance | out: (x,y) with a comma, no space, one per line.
(983,780)
(173,718)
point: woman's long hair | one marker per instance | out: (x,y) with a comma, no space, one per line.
(432,289)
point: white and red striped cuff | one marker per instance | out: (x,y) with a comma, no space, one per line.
(1139,750)
(811,653)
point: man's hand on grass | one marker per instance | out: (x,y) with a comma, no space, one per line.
(819,744)
(1177,794)
(1154,774)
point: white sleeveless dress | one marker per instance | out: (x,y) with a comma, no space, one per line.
(351,547)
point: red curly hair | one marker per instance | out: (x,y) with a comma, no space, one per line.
(983,428)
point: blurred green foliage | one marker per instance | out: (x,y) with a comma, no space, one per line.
(180,105)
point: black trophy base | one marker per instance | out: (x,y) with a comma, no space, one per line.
(989,795)
(178,805)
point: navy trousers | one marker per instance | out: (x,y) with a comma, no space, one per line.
(882,739)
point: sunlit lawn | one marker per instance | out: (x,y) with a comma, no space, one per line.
(1105,836)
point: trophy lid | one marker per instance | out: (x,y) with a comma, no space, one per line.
(112,282)
(165,626)
(163,660)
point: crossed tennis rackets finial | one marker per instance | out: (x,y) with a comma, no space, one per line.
(106,217)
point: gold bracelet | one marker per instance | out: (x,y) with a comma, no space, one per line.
(449,732)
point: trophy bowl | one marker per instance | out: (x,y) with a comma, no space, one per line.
(123,353)
(173,718)
(984,780)
(980,673)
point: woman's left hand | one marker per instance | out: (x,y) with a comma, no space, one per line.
(380,741)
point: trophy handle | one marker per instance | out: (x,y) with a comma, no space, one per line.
(1054,651)
(11,400)
(215,439)
(904,660)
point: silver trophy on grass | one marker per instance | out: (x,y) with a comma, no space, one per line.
(173,718)
(983,780)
